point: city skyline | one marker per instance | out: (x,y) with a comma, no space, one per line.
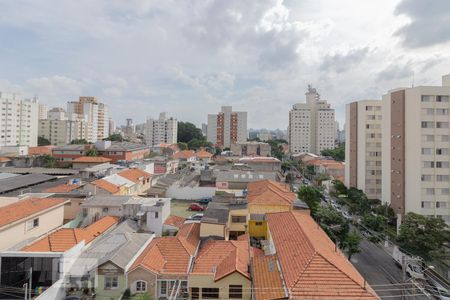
(261,62)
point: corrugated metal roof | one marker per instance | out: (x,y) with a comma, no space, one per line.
(23,181)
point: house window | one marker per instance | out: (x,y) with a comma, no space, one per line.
(238,219)
(32,224)
(156,215)
(210,293)
(105,209)
(258,223)
(195,293)
(235,291)
(141,286)
(111,283)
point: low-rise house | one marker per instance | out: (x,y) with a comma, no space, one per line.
(221,271)
(27,219)
(84,162)
(173,224)
(310,265)
(98,207)
(64,188)
(204,156)
(104,187)
(139,177)
(163,165)
(185,156)
(162,269)
(40,150)
(264,164)
(250,149)
(122,151)
(127,186)
(165,149)
(4,161)
(237,179)
(68,153)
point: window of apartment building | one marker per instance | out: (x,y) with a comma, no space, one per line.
(441,98)
(442,164)
(428,164)
(210,293)
(235,292)
(427,124)
(442,178)
(427,98)
(141,286)
(429,191)
(427,151)
(445,138)
(441,204)
(195,293)
(156,215)
(441,111)
(428,111)
(32,224)
(441,151)
(441,124)
(428,138)
(426,204)
(238,219)
(111,282)
(427,177)
(445,191)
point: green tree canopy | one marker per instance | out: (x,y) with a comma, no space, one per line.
(115,137)
(276,148)
(351,244)
(333,223)
(421,234)
(340,188)
(188,131)
(337,153)
(92,152)
(49,161)
(376,223)
(182,146)
(311,196)
(79,142)
(42,141)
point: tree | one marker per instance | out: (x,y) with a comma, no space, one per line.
(386,211)
(339,187)
(421,234)
(182,146)
(376,223)
(42,141)
(351,244)
(115,137)
(333,223)
(49,161)
(92,152)
(196,144)
(337,153)
(276,147)
(311,196)
(188,131)
(289,178)
(79,142)
(357,201)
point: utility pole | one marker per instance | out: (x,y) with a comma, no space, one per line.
(30,282)
(404,277)
(25,286)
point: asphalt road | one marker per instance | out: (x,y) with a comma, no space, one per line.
(381,272)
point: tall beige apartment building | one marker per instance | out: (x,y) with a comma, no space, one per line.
(415,147)
(311,125)
(227,127)
(363,147)
(163,130)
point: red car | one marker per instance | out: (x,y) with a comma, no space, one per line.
(196,207)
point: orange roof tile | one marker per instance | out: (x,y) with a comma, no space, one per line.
(311,267)
(170,255)
(40,150)
(62,188)
(4,159)
(26,208)
(135,175)
(185,154)
(106,185)
(65,238)
(91,159)
(174,221)
(267,278)
(269,192)
(203,154)
(222,258)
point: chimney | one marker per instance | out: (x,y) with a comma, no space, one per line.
(446,80)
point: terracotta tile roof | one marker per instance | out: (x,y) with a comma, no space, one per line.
(106,185)
(174,221)
(40,150)
(203,154)
(135,175)
(267,278)
(222,258)
(26,208)
(311,267)
(170,255)
(62,188)
(185,154)
(260,159)
(269,192)
(91,159)
(4,159)
(65,238)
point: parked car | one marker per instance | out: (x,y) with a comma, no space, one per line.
(346,215)
(196,207)
(196,217)
(204,201)
(437,290)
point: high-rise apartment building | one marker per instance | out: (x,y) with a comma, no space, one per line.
(416,150)
(227,127)
(311,125)
(61,128)
(363,147)
(18,121)
(97,115)
(42,111)
(163,130)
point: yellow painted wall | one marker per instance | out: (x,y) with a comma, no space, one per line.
(207,281)
(207,229)
(258,231)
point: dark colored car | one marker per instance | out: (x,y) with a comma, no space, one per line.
(196,207)
(204,201)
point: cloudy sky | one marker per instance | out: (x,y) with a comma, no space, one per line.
(190,57)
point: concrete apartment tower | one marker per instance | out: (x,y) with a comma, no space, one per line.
(363,147)
(415,147)
(227,127)
(18,122)
(311,125)
(161,131)
(97,114)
